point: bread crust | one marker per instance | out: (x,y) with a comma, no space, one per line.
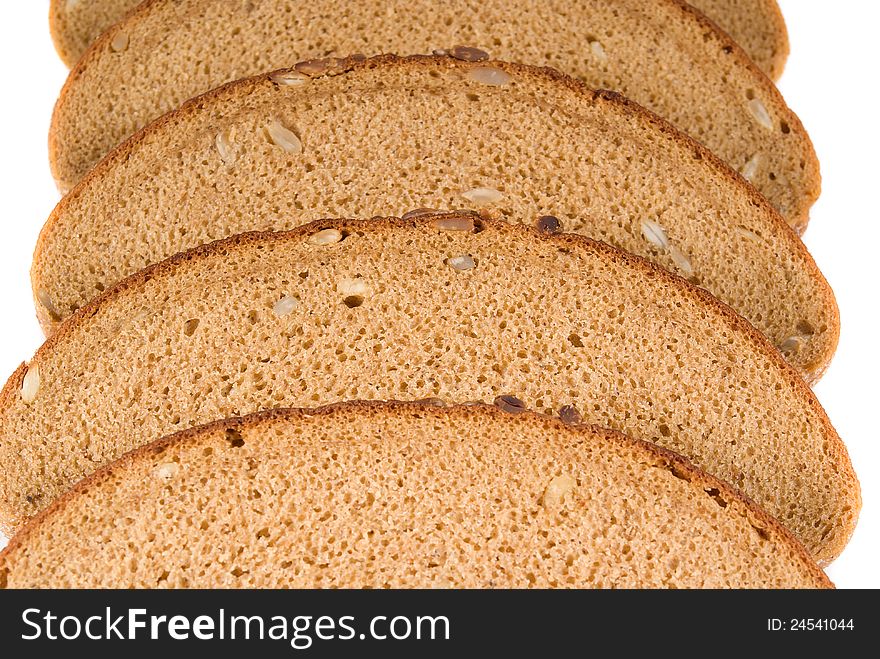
(651,454)
(616,102)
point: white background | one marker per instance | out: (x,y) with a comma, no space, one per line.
(830,81)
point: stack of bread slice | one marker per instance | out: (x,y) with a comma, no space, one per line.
(584,283)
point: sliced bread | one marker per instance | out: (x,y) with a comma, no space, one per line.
(449,306)
(662,54)
(756,25)
(76,24)
(388,495)
(387,135)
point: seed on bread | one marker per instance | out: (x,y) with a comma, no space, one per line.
(285,306)
(759,112)
(483,196)
(30,385)
(119,42)
(469,54)
(289,78)
(167,470)
(461,263)
(655,234)
(316,67)
(750,169)
(454,223)
(598,51)
(325,237)
(46,301)
(549,224)
(569,414)
(282,136)
(681,261)
(225,147)
(418,212)
(556,490)
(490,75)
(510,404)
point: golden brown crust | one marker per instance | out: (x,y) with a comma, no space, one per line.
(342,66)
(651,453)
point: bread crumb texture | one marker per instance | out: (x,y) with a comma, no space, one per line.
(756,25)
(661,54)
(381,312)
(393,496)
(385,136)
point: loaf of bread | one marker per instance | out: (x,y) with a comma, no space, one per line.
(388,135)
(449,306)
(662,54)
(756,25)
(403,496)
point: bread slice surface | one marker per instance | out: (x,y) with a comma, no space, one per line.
(663,54)
(756,25)
(451,306)
(76,24)
(403,496)
(388,135)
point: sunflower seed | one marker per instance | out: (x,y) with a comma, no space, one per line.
(469,54)
(461,263)
(510,404)
(489,75)
(482,196)
(288,78)
(30,385)
(285,305)
(759,112)
(655,234)
(325,237)
(284,137)
(554,494)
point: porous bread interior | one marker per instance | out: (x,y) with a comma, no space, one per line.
(383,315)
(391,135)
(661,54)
(756,25)
(403,497)
(76,24)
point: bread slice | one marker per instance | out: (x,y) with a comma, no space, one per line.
(756,25)
(76,24)
(388,135)
(452,307)
(403,496)
(662,54)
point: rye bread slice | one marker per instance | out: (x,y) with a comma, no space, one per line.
(388,495)
(388,135)
(756,25)
(662,54)
(453,307)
